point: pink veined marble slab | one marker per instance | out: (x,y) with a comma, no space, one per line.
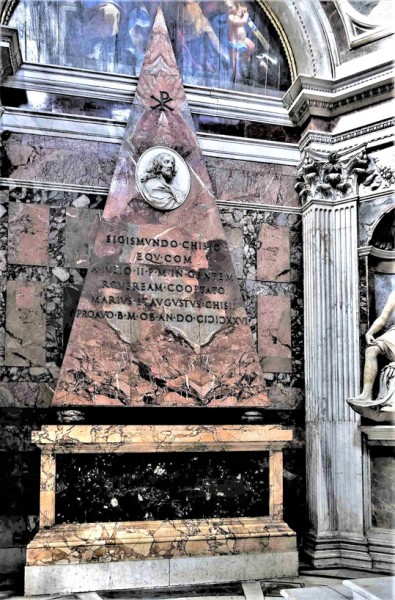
(161,320)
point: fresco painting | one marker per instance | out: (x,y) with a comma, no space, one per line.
(223,43)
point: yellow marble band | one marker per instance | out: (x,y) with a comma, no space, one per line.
(160,438)
(108,542)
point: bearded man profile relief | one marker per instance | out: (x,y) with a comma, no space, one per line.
(157,186)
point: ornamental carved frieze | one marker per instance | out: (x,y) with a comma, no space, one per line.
(337,178)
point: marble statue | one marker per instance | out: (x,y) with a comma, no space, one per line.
(163,178)
(384,345)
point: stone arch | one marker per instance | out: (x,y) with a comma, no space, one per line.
(383,230)
(309,34)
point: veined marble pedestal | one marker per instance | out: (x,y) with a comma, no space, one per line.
(145,554)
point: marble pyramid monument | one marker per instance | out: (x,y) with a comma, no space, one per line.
(161,320)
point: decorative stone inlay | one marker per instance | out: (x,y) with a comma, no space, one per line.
(28,234)
(62,439)
(81,230)
(25,324)
(274,253)
(274,334)
(140,486)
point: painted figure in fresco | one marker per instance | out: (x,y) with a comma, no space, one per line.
(101,23)
(241,47)
(196,31)
(156,183)
(383,345)
(139,24)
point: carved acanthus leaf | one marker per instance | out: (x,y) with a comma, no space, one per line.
(335,178)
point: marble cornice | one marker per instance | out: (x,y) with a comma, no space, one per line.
(121,88)
(310,96)
(274,208)
(328,203)
(63,125)
(224,146)
(384,128)
(97,129)
(378,434)
(387,192)
(53,186)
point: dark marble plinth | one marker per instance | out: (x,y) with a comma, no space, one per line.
(136,487)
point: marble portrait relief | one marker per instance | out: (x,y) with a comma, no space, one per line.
(163,178)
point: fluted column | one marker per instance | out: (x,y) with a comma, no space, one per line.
(333,442)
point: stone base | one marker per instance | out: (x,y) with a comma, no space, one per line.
(148,554)
(164,573)
(382,549)
(337,550)
(142,540)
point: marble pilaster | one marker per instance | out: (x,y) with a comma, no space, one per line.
(333,444)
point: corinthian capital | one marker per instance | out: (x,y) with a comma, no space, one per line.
(335,178)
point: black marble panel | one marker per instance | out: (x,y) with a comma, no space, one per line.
(149,486)
(383,487)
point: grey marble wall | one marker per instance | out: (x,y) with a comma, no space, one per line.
(59,160)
